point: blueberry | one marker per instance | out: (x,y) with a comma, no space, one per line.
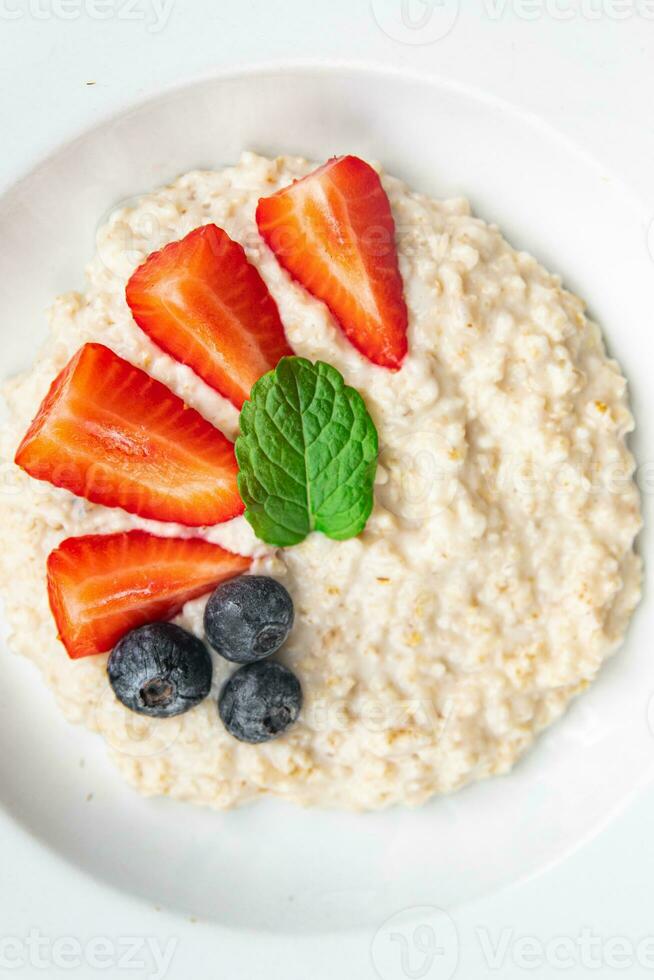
(248,618)
(260,701)
(160,670)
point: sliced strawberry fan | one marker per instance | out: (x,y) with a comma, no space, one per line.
(333,231)
(109,432)
(201,301)
(101,586)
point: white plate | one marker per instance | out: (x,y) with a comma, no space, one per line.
(271,866)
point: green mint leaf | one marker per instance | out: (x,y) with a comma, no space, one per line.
(307,454)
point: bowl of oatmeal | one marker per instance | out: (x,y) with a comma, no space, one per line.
(495,575)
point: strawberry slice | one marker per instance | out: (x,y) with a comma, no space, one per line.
(203,303)
(334,232)
(103,585)
(109,432)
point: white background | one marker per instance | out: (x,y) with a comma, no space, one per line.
(588,68)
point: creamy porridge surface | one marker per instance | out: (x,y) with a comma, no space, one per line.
(495,575)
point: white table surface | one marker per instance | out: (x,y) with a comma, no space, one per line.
(588,68)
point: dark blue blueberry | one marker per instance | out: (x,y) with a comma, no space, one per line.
(160,670)
(260,701)
(248,618)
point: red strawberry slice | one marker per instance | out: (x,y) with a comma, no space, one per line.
(109,432)
(103,585)
(203,303)
(334,232)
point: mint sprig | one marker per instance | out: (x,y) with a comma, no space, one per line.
(307,454)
